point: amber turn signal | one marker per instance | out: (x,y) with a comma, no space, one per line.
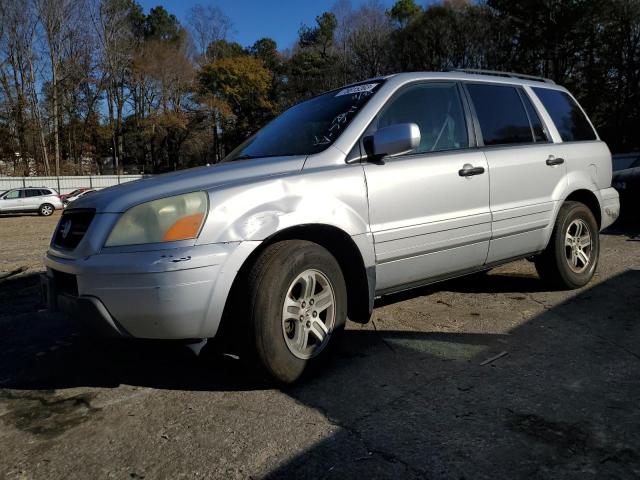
(185,228)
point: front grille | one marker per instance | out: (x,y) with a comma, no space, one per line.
(72,227)
(65,283)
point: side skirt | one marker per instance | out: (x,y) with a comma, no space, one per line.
(450,276)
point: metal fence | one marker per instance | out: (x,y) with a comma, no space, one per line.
(67,184)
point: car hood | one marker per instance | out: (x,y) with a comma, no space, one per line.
(122,197)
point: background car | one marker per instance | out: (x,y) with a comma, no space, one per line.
(43,200)
(76,194)
(626,180)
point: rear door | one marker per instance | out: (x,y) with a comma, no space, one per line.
(528,174)
(428,220)
(580,146)
(33,198)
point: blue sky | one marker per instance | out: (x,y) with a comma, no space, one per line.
(254,19)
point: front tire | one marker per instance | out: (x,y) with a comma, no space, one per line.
(297,306)
(46,210)
(571,257)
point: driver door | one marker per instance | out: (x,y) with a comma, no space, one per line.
(429,218)
(12,201)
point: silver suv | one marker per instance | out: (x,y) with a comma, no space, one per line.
(366,190)
(30,199)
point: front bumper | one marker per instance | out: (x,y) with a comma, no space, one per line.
(162,294)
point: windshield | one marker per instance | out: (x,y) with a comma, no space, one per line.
(308,127)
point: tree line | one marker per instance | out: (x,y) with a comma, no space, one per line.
(94,86)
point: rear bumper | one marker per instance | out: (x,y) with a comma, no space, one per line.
(609,206)
(162,294)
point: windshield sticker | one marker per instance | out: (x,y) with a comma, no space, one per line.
(357,89)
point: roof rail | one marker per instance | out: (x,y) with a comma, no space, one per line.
(497,73)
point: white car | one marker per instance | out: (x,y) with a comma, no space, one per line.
(43,200)
(73,196)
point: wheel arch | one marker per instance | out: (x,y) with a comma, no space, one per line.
(588,198)
(358,276)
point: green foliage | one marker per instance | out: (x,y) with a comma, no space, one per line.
(266,50)
(223,49)
(403,11)
(162,25)
(243,84)
(321,36)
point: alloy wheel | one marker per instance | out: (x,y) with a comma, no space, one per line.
(308,314)
(578,248)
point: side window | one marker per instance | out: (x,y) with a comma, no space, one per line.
(45,192)
(32,192)
(503,119)
(13,195)
(539,133)
(437,110)
(571,123)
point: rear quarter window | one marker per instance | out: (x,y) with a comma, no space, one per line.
(571,122)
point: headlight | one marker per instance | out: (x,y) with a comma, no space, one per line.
(164,220)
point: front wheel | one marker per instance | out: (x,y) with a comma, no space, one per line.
(570,259)
(297,306)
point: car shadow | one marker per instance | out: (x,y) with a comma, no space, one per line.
(29,214)
(554,397)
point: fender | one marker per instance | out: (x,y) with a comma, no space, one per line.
(327,196)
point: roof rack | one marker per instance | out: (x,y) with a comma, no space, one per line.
(498,73)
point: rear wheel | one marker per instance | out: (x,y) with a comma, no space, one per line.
(46,209)
(297,306)
(570,259)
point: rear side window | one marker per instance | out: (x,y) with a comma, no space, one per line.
(32,192)
(571,123)
(501,113)
(45,192)
(437,110)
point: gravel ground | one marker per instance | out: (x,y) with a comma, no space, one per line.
(406,396)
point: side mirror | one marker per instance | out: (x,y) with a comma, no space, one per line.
(393,140)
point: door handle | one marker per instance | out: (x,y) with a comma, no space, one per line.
(469,171)
(551,161)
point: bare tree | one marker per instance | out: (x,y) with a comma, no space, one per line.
(17,77)
(208,24)
(57,19)
(117,42)
(369,30)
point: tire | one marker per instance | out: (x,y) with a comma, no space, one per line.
(275,341)
(561,264)
(46,210)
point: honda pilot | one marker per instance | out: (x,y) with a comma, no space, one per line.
(366,190)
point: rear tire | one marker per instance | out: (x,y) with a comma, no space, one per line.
(46,210)
(572,254)
(297,305)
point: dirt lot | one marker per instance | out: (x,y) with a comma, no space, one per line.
(405,397)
